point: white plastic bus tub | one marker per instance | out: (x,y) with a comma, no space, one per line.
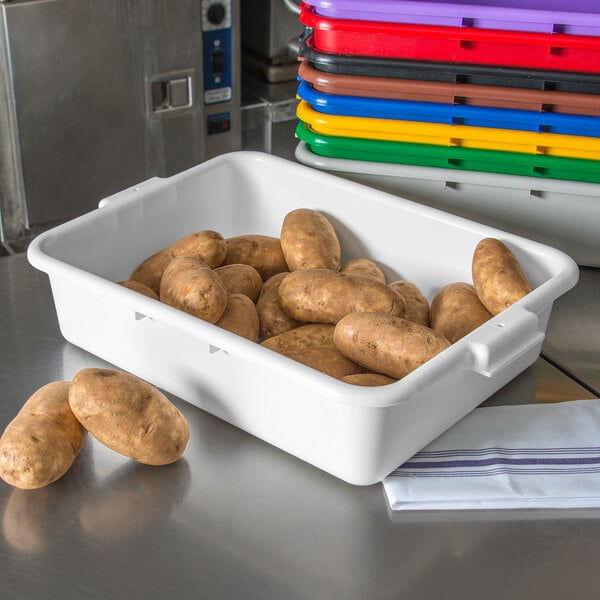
(355,433)
(564,214)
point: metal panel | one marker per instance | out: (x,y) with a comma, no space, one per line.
(78,75)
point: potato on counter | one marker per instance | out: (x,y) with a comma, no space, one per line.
(386,344)
(498,277)
(456,311)
(40,444)
(129,415)
(190,285)
(309,241)
(325,296)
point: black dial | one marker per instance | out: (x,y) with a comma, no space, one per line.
(216,13)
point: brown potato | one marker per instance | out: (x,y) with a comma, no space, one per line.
(456,311)
(417,306)
(305,336)
(207,245)
(241,279)
(328,360)
(309,241)
(262,252)
(136,286)
(240,317)
(368,379)
(129,415)
(312,345)
(364,267)
(190,285)
(40,444)
(273,320)
(386,344)
(497,276)
(149,272)
(325,296)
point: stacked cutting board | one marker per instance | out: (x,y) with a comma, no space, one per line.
(497,99)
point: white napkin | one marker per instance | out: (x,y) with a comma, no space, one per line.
(523,456)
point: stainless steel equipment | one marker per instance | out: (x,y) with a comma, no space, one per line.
(97,96)
(270,38)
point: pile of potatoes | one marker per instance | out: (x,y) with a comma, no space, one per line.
(124,413)
(293,295)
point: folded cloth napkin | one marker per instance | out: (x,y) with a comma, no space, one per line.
(523,456)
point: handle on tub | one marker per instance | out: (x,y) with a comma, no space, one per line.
(512,334)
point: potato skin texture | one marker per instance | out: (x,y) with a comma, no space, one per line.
(41,443)
(136,286)
(364,267)
(310,335)
(417,305)
(328,360)
(368,379)
(241,279)
(325,296)
(273,320)
(129,415)
(386,344)
(309,241)
(497,276)
(207,245)
(312,345)
(240,317)
(262,252)
(456,311)
(190,285)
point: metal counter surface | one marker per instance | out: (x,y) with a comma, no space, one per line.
(237,518)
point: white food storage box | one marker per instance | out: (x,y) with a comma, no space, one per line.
(562,213)
(356,433)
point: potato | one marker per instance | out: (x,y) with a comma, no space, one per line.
(456,311)
(273,320)
(129,415)
(150,270)
(368,379)
(364,267)
(305,336)
(328,360)
(387,344)
(325,296)
(207,245)
(262,252)
(241,279)
(189,284)
(40,444)
(309,241)
(136,286)
(497,276)
(240,317)
(417,306)
(312,345)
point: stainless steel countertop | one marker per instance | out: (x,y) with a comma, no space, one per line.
(237,518)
